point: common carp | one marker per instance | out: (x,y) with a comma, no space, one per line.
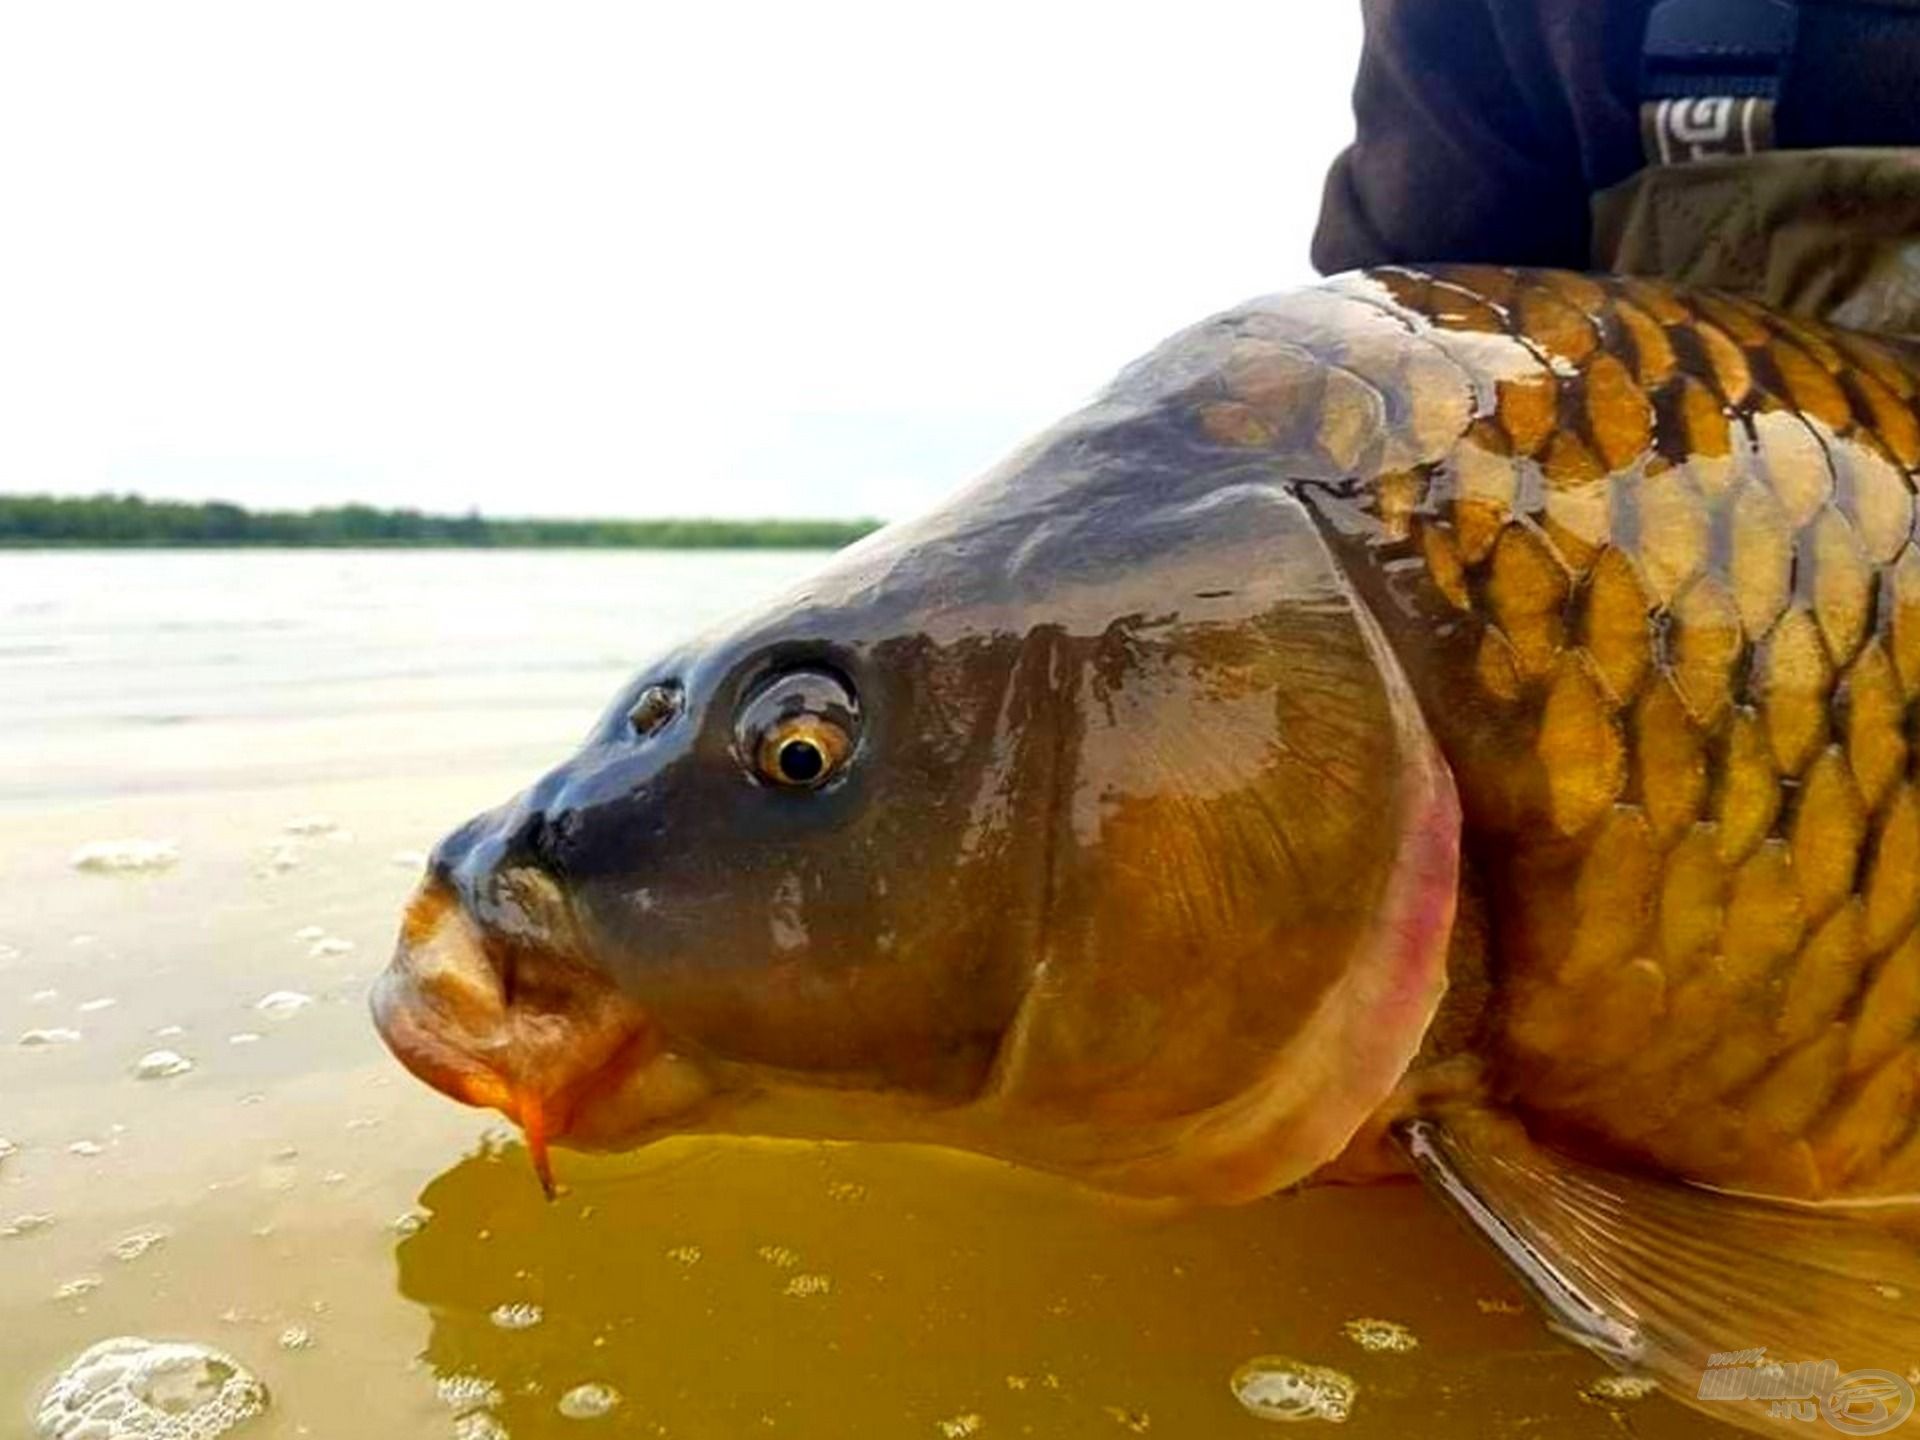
(1455,720)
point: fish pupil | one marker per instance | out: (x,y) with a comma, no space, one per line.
(801,761)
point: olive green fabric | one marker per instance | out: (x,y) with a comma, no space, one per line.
(1831,234)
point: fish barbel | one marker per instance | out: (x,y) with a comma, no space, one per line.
(1457,720)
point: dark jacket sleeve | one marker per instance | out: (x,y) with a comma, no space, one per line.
(1482,126)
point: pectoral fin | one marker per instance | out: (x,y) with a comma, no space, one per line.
(1660,1277)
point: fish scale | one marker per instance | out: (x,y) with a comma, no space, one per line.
(1649,557)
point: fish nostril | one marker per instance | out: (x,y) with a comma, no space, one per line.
(542,840)
(534,842)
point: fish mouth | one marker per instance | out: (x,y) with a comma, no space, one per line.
(519,1024)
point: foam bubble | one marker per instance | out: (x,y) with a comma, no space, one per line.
(312,825)
(161,1065)
(1627,1388)
(461,1393)
(138,1244)
(26,1224)
(86,1149)
(1276,1388)
(282,1003)
(409,859)
(94,1006)
(516,1317)
(130,1388)
(49,1035)
(589,1401)
(108,857)
(328,946)
(1381,1335)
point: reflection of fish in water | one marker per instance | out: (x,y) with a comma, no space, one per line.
(1459,717)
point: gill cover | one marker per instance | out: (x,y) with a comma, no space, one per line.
(1252,861)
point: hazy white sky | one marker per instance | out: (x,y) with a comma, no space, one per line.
(826,258)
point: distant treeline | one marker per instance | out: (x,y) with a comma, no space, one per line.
(129,520)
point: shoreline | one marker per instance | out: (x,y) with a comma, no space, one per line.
(10,543)
(132,522)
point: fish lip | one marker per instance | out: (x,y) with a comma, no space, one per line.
(572,1059)
(443,1007)
(394,1002)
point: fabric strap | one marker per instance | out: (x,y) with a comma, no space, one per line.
(1710,76)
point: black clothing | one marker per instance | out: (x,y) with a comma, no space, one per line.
(1484,126)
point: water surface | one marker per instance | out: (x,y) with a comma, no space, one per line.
(300,726)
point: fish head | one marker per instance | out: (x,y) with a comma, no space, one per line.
(1087,822)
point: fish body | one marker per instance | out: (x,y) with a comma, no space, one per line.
(1648,560)
(1458,719)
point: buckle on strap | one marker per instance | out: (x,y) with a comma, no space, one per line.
(1710,74)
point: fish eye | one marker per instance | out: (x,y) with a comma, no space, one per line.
(802,752)
(657,705)
(798,730)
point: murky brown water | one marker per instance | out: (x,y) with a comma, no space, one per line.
(372,1251)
